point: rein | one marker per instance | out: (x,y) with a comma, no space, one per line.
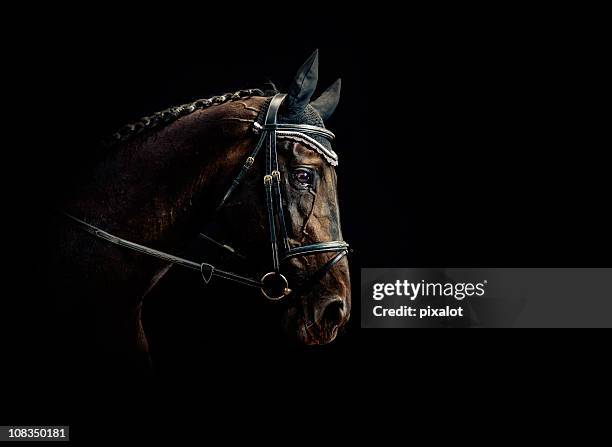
(273,285)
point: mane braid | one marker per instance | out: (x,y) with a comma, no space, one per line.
(165,117)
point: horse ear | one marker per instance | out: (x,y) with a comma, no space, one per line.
(328,101)
(303,85)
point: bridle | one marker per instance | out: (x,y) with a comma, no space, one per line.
(274,284)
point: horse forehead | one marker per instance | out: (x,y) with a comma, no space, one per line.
(300,153)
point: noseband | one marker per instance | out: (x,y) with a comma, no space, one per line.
(273,285)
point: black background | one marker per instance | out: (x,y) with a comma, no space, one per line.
(462,142)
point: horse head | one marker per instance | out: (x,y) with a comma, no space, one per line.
(308,216)
(157,187)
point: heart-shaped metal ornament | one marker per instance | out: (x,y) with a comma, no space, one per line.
(207,272)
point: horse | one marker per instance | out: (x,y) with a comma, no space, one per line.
(164,179)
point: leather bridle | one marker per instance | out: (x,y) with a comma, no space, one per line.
(273,285)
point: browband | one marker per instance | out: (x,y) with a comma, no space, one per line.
(300,133)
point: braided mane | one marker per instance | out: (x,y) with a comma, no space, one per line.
(165,117)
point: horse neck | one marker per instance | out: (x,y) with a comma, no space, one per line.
(159,188)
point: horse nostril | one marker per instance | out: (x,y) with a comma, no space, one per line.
(333,313)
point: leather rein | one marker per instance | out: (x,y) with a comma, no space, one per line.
(273,285)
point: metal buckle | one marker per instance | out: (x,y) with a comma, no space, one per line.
(285,286)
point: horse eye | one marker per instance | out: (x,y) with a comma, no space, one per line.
(303,176)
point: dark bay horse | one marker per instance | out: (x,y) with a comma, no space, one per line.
(160,183)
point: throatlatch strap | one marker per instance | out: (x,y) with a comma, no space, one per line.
(245,168)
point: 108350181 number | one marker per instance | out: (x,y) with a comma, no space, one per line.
(37,432)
